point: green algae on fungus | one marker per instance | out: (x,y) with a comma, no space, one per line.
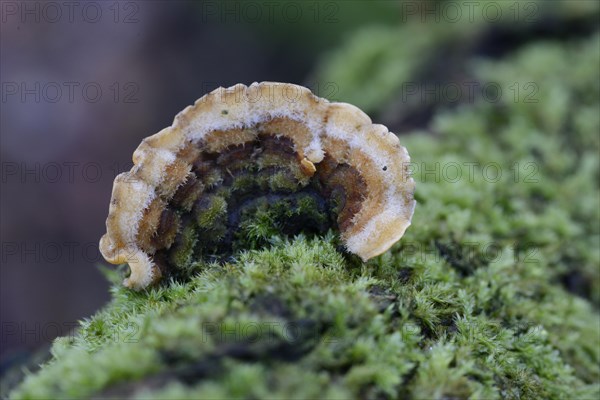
(270,151)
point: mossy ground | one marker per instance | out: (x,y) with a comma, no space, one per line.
(494,292)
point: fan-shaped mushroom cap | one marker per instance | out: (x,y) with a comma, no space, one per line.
(332,149)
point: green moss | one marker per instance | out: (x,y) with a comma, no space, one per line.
(183,250)
(257,225)
(266,218)
(273,160)
(378,67)
(212,212)
(282,181)
(212,178)
(244,183)
(494,291)
(309,207)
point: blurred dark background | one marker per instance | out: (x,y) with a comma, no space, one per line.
(84,82)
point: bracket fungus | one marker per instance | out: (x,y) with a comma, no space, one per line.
(269,150)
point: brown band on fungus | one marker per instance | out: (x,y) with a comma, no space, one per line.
(344,186)
(167,229)
(149,224)
(187,193)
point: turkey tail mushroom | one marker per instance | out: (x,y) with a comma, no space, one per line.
(243,150)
